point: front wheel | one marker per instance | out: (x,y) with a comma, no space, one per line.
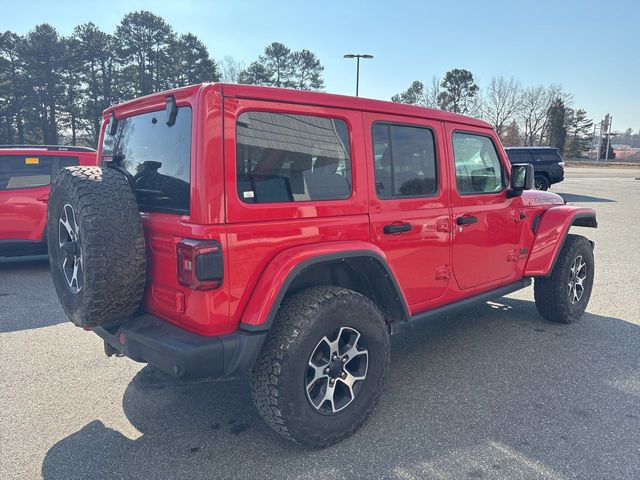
(321,369)
(563,296)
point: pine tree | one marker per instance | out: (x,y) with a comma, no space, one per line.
(98,75)
(414,95)
(459,92)
(307,71)
(193,61)
(555,124)
(255,74)
(13,90)
(278,66)
(143,43)
(579,133)
(43,53)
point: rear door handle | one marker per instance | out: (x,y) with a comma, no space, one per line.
(397,228)
(466,220)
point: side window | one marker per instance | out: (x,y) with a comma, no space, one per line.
(550,156)
(20,171)
(292,158)
(405,161)
(518,156)
(478,167)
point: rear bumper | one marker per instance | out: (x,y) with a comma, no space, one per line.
(180,353)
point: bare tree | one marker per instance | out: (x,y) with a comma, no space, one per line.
(533,112)
(502,99)
(431,92)
(230,69)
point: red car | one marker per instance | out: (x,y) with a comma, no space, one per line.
(25,177)
(286,234)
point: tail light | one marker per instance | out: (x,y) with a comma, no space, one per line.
(200,264)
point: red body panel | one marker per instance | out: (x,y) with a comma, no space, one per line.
(23,211)
(271,281)
(551,231)
(427,244)
(434,263)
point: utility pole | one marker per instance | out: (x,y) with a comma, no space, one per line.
(604,125)
(357,56)
(606,158)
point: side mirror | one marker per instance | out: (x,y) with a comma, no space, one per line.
(521,179)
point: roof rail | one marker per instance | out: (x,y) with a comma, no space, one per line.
(57,148)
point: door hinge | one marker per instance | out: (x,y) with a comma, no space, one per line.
(443,273)
(443,225)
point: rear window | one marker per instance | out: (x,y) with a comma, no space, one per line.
(157,155)
(292,158)
(30,171)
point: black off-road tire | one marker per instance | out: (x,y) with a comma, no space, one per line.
(278,377)
(541,182)
(552,292)
(111,244)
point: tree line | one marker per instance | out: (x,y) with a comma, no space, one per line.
(522,116)
(53,88)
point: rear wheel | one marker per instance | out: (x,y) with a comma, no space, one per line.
(320,372)
(564,295)
(541,182)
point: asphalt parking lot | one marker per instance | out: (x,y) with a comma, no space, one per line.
(496,392)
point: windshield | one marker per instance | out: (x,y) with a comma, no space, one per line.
(157,155)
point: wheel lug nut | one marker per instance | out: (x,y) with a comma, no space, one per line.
(343,375)
(326,370)
(331,382)
(345,359)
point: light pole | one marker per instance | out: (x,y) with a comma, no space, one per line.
(357,56)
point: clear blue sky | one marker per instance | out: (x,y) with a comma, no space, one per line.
(591,48)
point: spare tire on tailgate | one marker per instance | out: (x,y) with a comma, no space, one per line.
(96,245)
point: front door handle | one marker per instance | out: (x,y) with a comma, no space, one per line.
(466,220)
(397,228)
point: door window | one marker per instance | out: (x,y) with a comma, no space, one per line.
(404,161)
(478,167)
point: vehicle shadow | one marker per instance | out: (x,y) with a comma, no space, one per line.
(26,290)
(579,198)
(496,392)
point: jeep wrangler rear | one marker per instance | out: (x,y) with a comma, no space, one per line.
(237,229)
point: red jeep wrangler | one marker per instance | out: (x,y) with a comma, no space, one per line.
(25,176)
(283,233)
